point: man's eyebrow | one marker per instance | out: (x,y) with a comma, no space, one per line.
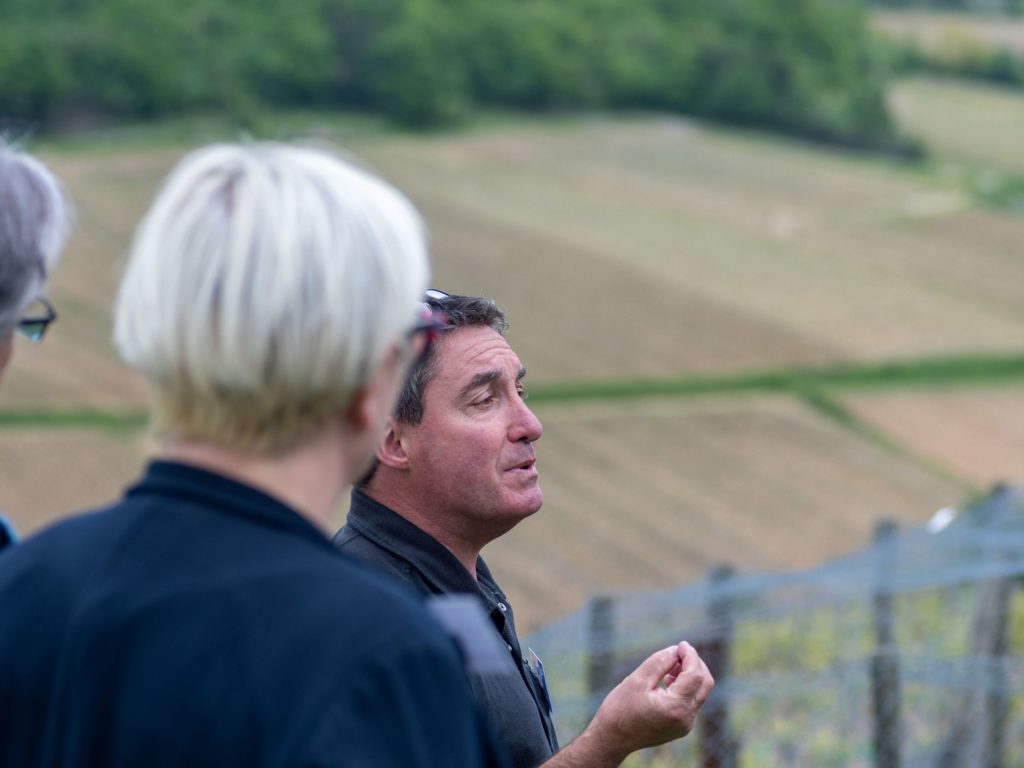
(481,379)
(486,377)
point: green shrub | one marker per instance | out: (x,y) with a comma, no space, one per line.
(808,67)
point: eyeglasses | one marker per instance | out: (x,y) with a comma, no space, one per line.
(35,322)
(433,294)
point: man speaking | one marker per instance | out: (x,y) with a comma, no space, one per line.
(456,470)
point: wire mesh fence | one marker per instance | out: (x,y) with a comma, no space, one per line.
(908,654)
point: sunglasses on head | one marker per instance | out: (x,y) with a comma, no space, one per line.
(33,324)
(430,320)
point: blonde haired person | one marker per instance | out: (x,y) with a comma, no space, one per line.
(271,300)
(35,217)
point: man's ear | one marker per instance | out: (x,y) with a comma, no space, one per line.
(391,449)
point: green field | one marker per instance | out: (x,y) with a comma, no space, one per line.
(965,123)
(722,268)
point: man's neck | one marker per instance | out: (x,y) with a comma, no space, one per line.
(413,510)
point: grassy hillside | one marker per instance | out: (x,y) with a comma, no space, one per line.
(48,472)
(976,434)
(649,249)
(964,122)
(793,254)
(626,248)
(651,493)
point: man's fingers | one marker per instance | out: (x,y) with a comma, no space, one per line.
(671,675)
(655,667)
(678,668)
(688,656)
(677,660)
(693,672)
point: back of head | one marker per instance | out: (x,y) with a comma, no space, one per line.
(264,287)
(35,217)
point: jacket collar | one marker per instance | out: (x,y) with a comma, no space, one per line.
(223,495)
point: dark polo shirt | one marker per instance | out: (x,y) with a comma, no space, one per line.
(200,622)
(516,702)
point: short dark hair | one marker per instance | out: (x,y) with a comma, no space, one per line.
(459,312)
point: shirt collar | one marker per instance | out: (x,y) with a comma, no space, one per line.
(434,562)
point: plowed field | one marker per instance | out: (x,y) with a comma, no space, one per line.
(646,247)
(651,494)
(621,248)
(976,434)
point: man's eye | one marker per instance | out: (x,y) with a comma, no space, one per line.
(486,400)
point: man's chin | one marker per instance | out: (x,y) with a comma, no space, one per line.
(532,504)
(514,514)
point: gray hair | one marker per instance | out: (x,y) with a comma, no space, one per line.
(264,288)
(35,218)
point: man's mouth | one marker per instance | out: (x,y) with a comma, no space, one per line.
(529,465)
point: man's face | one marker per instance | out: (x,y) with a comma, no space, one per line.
(472,457)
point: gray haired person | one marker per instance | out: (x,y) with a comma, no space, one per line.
(35,217)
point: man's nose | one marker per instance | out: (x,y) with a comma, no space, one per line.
(525,426)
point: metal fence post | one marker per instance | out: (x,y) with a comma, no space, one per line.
(600,650)
(977,735)
(885,670)
(997,703)
(718,748)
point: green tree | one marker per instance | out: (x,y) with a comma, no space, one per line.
(418,78)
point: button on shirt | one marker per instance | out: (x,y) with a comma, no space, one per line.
(200,622)
(515,702)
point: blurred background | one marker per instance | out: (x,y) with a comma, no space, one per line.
(764,259)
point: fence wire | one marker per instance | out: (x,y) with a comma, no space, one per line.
(908,654)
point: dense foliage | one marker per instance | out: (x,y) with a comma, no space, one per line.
(808,67)
(959,56)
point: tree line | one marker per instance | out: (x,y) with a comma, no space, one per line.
(1004,7)
(958,50)
(806,67)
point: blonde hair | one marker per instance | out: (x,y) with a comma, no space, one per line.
(264,287)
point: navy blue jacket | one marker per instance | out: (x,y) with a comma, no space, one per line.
(200,622)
